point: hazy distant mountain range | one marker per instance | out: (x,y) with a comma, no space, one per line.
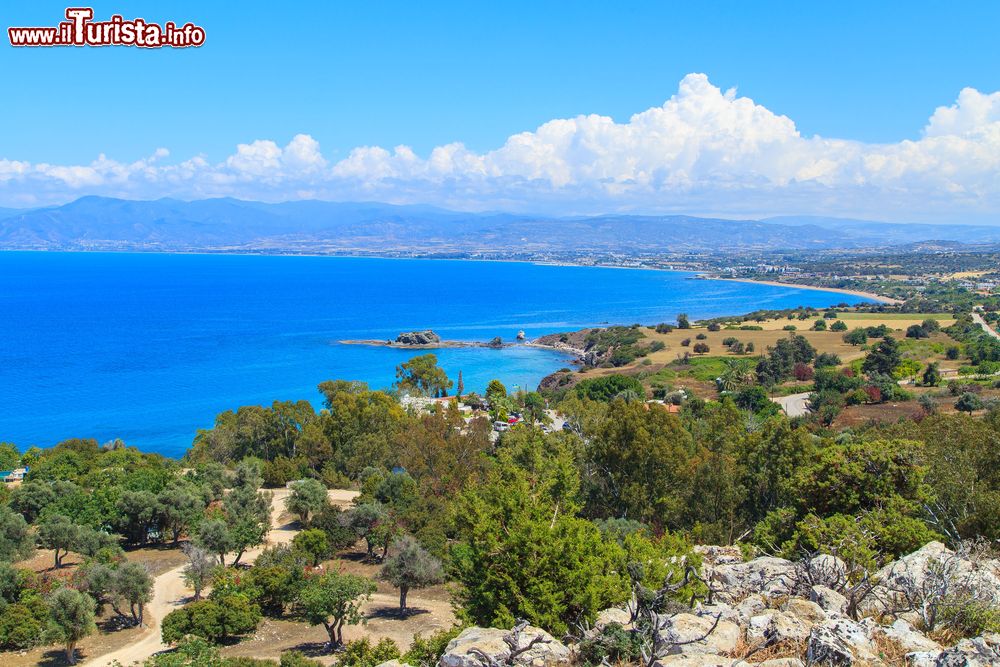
(316,226)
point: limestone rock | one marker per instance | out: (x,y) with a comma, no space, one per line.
(613,615)
(827,570)
(393,663)
(684,628)
(751,606)
(775,626)
(491,642)
(720,609)
(983,651)
(715,555)
(427,337)
(839,642)
(804,610)
(828,599)
(782,662)
(694,661)
(767,576)
(918,571)
(910,639)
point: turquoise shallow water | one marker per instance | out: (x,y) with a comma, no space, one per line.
(150,347)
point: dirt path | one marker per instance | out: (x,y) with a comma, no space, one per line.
(170,592)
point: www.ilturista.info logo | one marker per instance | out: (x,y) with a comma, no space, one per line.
(81,30)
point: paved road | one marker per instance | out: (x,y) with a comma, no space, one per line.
(978,319)
(170,591)
(794,405)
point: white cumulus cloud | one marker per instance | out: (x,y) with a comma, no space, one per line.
(704,151)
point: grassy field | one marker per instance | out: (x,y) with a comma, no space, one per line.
(823,341)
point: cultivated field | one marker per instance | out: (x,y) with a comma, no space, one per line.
(893,320)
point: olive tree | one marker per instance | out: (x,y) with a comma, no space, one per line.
(71,618)
(410,566)
(334,600)
(198,572)
(60,534)
(213,535)
(307,499)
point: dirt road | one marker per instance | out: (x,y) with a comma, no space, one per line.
(794,405)
(978,319)
(170,592)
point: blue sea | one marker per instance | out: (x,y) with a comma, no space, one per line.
(150,347)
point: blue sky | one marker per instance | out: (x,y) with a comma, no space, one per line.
(349,75)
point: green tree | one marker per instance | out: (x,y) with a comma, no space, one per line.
(137,515)
(178,508)
(248,511)
(10,457)
(212,620)
(200,568)
(313,543)
(71,618)
(883,359)
(334,600)
(607,387)
(738,373)
(276,585)
(22,624)
(31,498)
(495,389)
(932,375)
(361,653)
(307,498)
(213,535)
(856,337)
(16,541)
(134,586)
(683,322)
(968,402)
(423,376)
(410,566)
(524,513)
(59,533)
(638,465)
(533,408)
(360,428)
(367,519)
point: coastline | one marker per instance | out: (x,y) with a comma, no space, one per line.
(774,283)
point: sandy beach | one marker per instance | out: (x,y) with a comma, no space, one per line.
(864,295)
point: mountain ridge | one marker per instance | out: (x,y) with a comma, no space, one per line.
(94,222)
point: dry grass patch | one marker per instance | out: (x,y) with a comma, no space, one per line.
(756,652)
(889,650)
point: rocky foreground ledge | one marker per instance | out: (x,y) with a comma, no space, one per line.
(773,612)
